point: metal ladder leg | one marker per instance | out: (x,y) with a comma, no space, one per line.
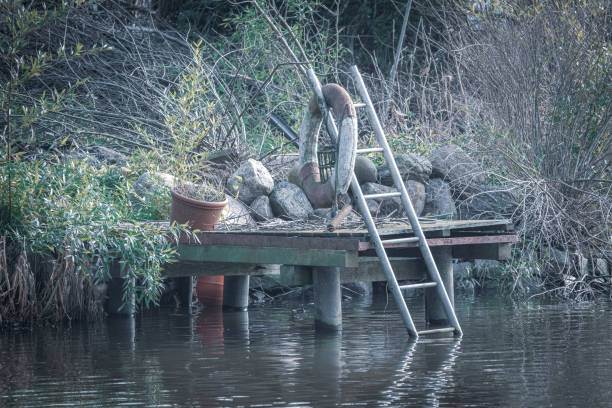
(375,237)
(414,221)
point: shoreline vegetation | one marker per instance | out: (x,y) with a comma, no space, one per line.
(95,94)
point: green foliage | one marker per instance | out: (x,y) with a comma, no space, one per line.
(73,211)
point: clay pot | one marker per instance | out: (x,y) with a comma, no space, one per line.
(201,215)
(209,290)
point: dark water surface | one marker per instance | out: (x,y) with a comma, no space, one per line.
(529,354)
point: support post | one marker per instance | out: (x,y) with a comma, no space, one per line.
(434,308)
(184,291)
(236,292)
(114,304)
(328,298)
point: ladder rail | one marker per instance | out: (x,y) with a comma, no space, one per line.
(365,212)
(382,255)
(414,221)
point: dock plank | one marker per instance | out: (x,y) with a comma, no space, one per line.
(385,229)
(267,255)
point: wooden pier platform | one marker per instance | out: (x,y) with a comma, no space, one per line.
(327,259)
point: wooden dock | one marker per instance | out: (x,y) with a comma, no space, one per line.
(327,259)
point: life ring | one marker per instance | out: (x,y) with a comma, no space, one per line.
(322,195)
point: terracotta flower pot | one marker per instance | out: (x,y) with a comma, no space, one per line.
(209,290)
(201,215)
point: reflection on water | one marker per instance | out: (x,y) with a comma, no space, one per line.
(512,354)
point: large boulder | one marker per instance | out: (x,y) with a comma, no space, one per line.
(236,213)
(410,166)
(289,201)
(293,176)
(152,189)
(279,165)
(152,181)
(365,170)
(250,181)
(261,208)
(438,199)
(453,165)
(381,206)
(416,192)
(388,206)
(110,156)
(488,202)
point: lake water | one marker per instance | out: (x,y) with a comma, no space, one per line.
(525,354)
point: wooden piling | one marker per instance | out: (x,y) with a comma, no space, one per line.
(114,303)
(184,289)
(236,292)
(434,309)
(328,298)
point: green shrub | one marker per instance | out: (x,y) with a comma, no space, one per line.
(82,220)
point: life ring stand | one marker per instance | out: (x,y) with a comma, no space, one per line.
(323,195)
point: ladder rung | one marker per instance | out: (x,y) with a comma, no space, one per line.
(370,150)
(400,240)
(419,285)
(440,330)
(382,195)
(359,105)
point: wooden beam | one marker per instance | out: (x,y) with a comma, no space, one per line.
(369,270)
(182,268)
(273,241)
(452,241)
(391,228)
(267,255)
(498,252)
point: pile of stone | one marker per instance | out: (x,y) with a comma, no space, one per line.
(447,184)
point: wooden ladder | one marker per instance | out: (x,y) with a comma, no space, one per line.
(434,275)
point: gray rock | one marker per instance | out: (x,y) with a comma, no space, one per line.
(488,202)
(387,206)
(416,192)
(109,156)
(453,165)
(601,267)
(438,199)
(462,270)
(280,165)
(261,208)
(581,264)
(88,158)
(293,175)
(236,213)
(289,201)
(561,257)
(250,181)
(381,207)
(410,166)
(152,183)
(365,170)
(487,268)
(324,213)
(264,283)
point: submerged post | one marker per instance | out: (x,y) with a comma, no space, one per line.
(328,298)
(434,308)
(115,303)
(184,291)
(236,292)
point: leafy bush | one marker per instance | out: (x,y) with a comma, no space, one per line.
(72,221)
(534,79)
